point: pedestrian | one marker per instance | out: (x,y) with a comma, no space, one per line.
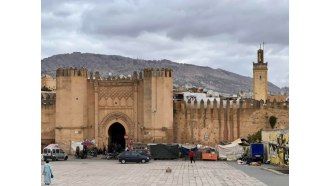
(84,152)
(48,173)
(191,155)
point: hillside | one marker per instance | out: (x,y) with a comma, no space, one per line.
(183,74)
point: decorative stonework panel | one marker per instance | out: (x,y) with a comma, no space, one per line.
(116,92)
(129,102)
(109,102)
(116,102)
(102,102)
(123,102)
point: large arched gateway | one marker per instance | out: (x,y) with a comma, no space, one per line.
(116,137)
(113,131)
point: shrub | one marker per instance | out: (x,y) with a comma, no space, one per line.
(254,138)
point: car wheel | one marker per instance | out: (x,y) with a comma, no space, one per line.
(143,161)
(123,161)
(66,158)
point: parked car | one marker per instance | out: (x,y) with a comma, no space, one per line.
(143,152)
(131,156)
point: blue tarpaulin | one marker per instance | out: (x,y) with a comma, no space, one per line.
(185,150)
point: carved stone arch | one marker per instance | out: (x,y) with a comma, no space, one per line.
(115,117)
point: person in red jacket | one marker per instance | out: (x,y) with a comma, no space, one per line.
(191,156)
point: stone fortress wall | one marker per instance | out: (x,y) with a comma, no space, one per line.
(86,106)
(225,120)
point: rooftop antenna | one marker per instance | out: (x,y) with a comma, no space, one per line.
(260,45)
(263,48)
(263,43)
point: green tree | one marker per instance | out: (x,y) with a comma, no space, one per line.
(254,138)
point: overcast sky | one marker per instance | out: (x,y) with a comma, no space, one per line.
(222,34)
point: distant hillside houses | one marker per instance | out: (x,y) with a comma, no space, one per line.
(198,97)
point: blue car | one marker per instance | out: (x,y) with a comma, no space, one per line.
(131,156)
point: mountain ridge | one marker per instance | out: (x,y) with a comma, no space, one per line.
(183,74)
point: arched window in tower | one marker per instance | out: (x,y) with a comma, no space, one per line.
(260,77)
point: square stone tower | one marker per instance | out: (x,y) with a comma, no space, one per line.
(158,105)
(260,78)
(71,106)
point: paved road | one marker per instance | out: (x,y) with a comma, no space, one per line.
(262,173)
(90,172)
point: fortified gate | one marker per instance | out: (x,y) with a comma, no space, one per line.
(115,109)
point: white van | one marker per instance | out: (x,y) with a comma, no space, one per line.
(54,153)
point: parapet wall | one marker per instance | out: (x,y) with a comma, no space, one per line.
(164,72)
(241,103)
(133,77)
(48,98)
(226,120)
(72,71)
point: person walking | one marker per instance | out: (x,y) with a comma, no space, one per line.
(48,173)
(191,155)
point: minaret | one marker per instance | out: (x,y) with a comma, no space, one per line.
(260,78)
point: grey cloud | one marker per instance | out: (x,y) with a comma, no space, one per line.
(220,34)
(251,22)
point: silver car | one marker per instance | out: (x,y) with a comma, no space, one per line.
(54,154)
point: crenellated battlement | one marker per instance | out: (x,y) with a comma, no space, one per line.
(72,71)
(114,78)
(240,103)
(83,72)
(48,98)
(163,72)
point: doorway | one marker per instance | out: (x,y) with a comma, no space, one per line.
(116,140)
